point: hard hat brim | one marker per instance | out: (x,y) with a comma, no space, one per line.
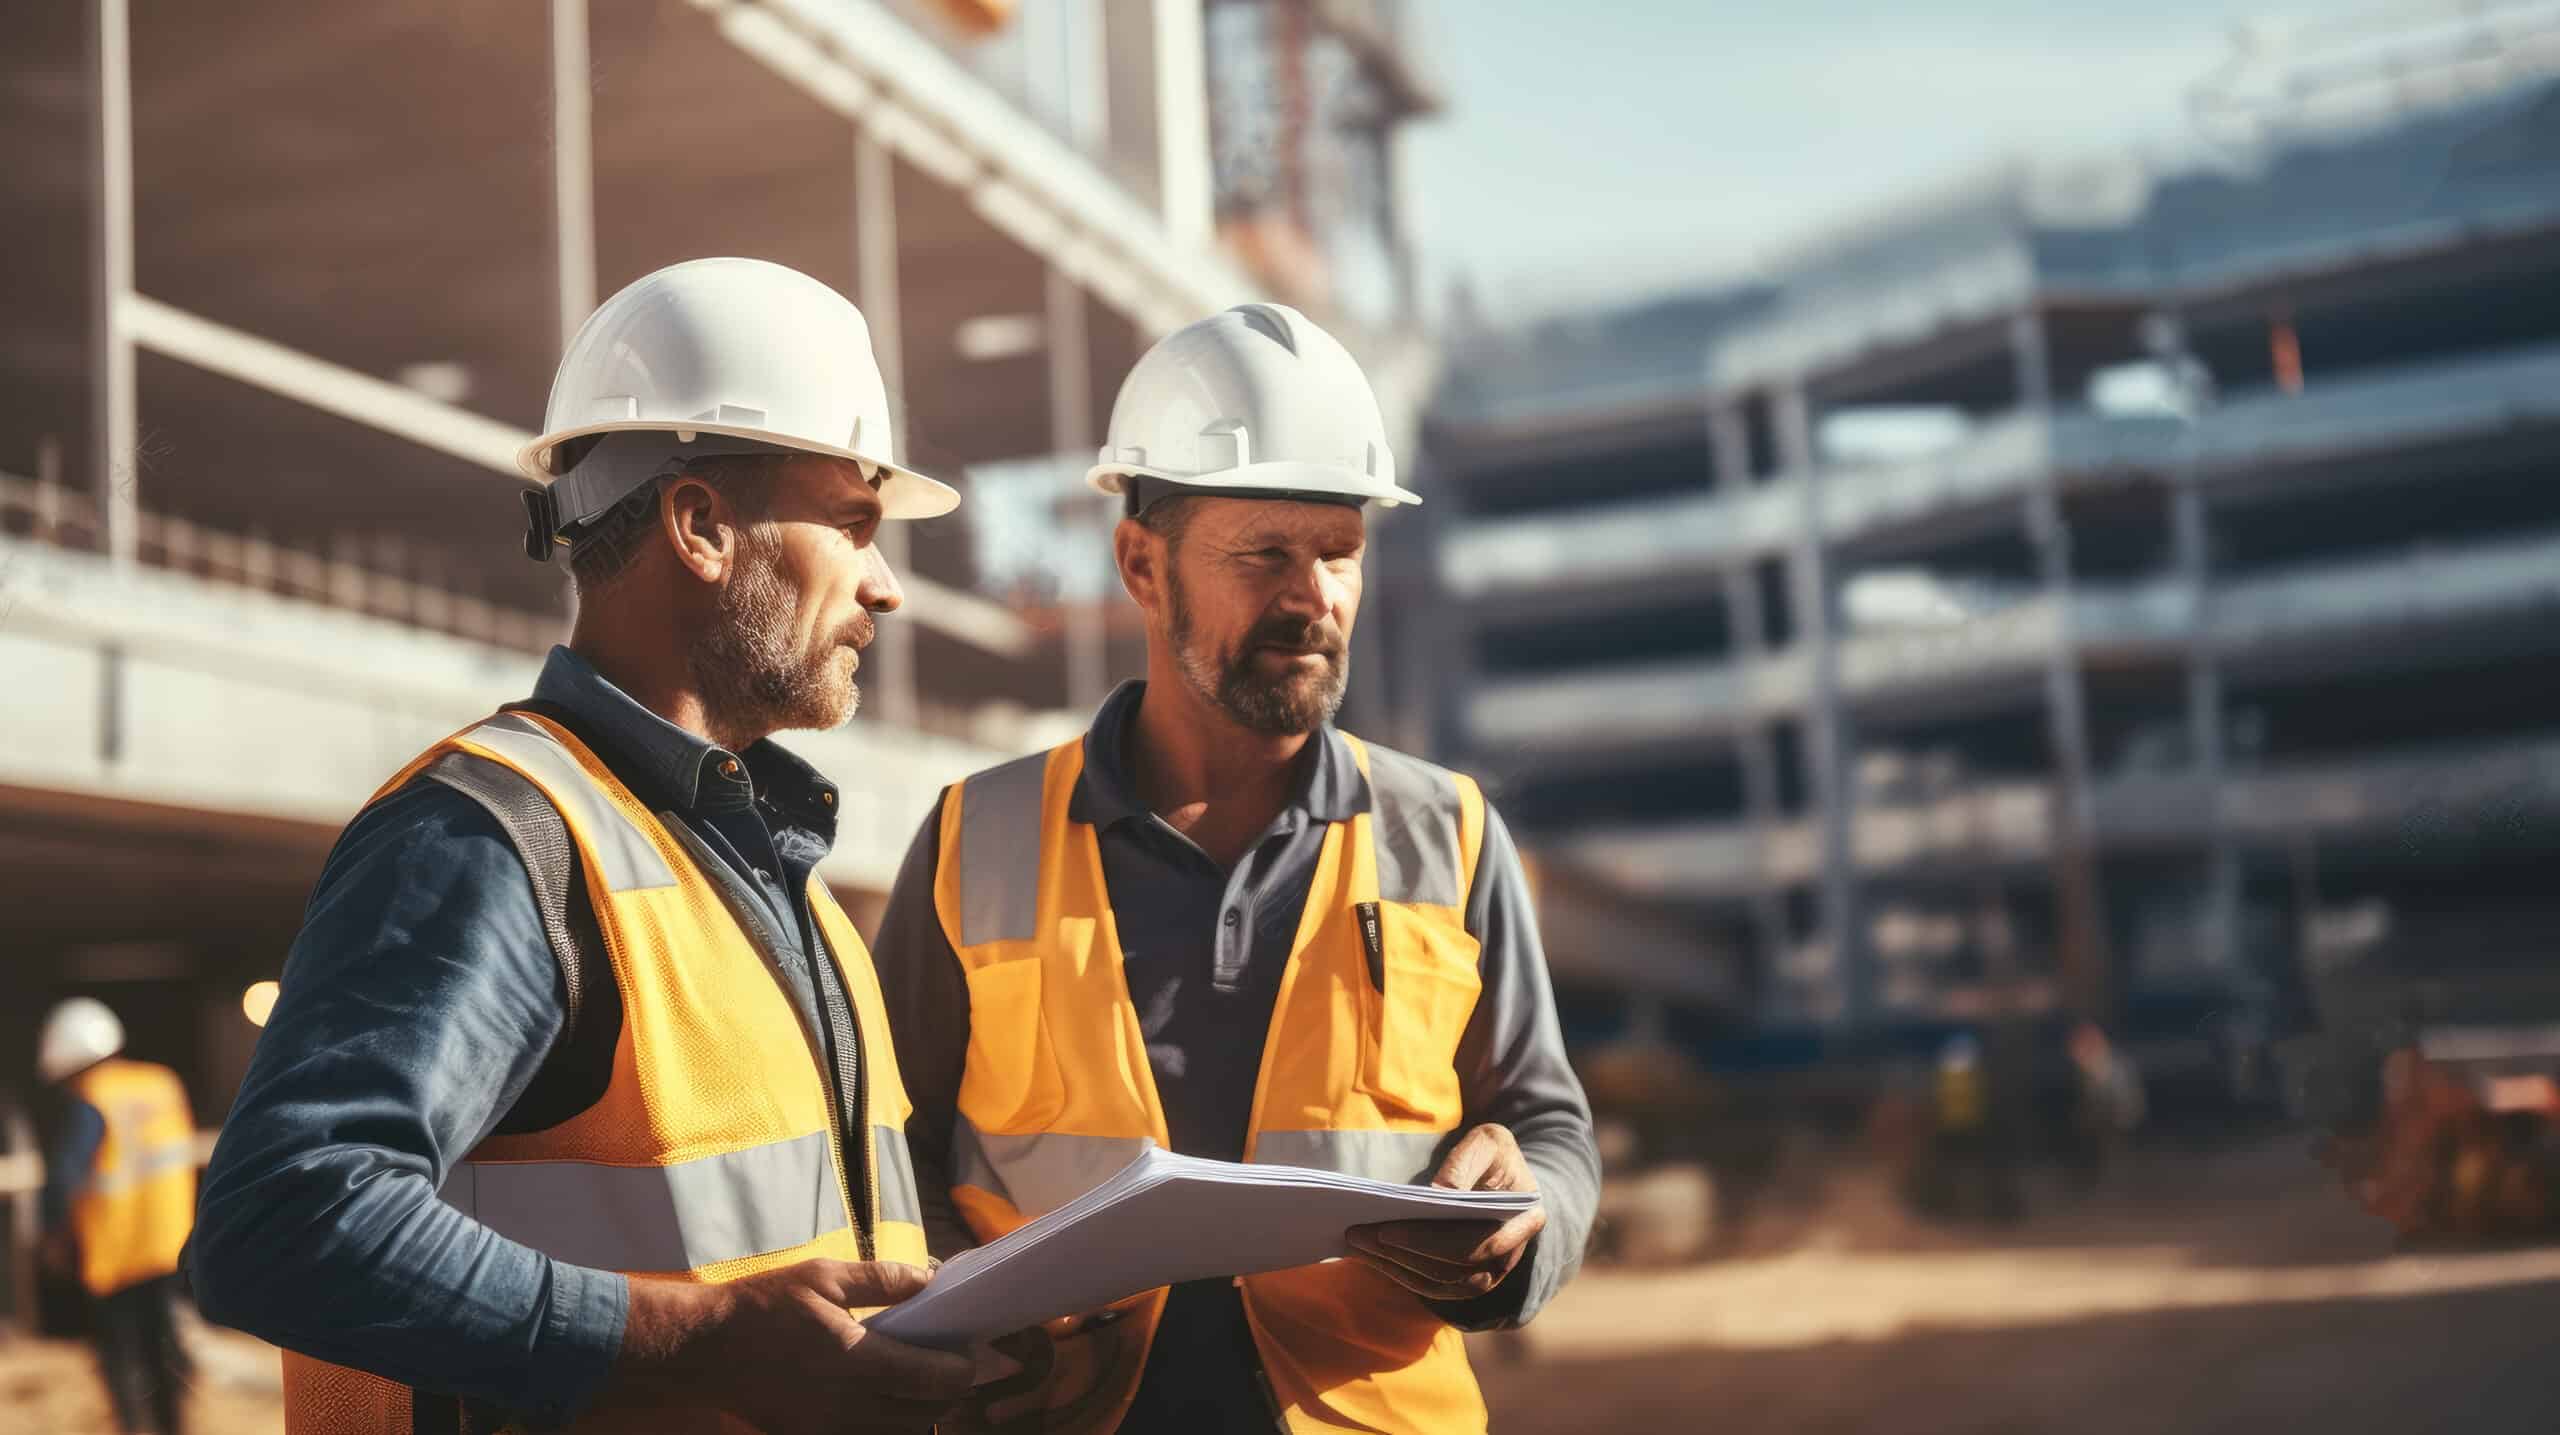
(1281,475)
(904,493)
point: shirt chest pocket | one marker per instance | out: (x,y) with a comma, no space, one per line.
(1422,982)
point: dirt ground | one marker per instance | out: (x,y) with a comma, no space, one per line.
(2197,1292)
(50,1387)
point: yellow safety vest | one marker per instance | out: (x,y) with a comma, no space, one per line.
(1358,1069)
(714,1152)
(133,1215)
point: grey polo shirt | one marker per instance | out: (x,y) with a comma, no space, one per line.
(1203,953)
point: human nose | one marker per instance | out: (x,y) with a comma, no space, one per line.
(880,591)
(1311,592)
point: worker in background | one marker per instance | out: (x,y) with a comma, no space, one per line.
(1976,1175)
(2107,1102)
(1217,922)
(576,1107)
(119,1195)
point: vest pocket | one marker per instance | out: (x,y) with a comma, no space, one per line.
(1011,1082)
(1420,1009)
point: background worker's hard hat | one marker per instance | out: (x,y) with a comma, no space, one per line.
(1257,399)
(735,350)
(78,1034)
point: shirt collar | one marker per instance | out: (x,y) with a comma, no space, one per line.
(676,767)
(1331,787)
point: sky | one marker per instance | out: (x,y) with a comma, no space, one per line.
(1609,148)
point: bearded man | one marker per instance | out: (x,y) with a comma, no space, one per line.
(577,1107)
(1218,923)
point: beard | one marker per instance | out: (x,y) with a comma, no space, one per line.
(1231,679)
(754,674)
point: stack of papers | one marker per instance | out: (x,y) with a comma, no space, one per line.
(1164,1218)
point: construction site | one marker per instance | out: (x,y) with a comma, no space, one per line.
(2024,719)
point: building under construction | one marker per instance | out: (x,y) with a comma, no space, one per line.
(2097,589)
(286,286)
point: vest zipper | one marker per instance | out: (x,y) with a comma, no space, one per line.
(865,1231)
(853,1149)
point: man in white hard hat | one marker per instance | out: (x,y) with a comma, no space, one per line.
(120,1192)
(1218,923)
(576,1107)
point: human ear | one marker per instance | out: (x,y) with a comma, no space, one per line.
(1141,557)
(696,522)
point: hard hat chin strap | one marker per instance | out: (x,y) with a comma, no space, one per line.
(541,524)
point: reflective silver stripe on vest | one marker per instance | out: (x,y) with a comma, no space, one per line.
(658,1218)
(1000,852)
(623,853)
(1413,821)
(1037,1174)
(144,1165)
(1404,1157)
(896,1174)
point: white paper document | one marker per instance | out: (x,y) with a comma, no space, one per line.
(1164,1218)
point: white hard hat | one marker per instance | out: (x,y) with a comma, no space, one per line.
(78,1034)
(1257,399)
(711,350)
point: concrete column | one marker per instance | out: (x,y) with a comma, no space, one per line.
(1184,188)
(1071,436)
(573,184)
(1729,444)
(2081,920)
(892,659)
(2192,552)
(111,280)
(1829,739)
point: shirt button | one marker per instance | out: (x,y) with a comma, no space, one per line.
(729,767)
(1233,916)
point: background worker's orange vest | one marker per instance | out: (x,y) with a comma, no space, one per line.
(714,1152)
(1358,1070)
(133,1214)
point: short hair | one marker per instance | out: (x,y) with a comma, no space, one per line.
(1169,518)
(606,546)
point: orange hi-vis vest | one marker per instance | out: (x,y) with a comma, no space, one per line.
(1358,1069)
(714,1152)
(133,1214)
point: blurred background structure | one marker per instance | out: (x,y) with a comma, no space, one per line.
(2095,589)
(2109,591)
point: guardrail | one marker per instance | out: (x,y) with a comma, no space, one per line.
(157,686)
(2002,458)
(2010,823)
(340,578)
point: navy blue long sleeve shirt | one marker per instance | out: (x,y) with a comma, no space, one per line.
(419,1005)
(73,1162)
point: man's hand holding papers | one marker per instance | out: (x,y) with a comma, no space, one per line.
(1458,1259)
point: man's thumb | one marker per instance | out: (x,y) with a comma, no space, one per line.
(869,1283)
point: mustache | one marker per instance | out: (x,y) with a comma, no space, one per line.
(859,633)
(1320,637)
